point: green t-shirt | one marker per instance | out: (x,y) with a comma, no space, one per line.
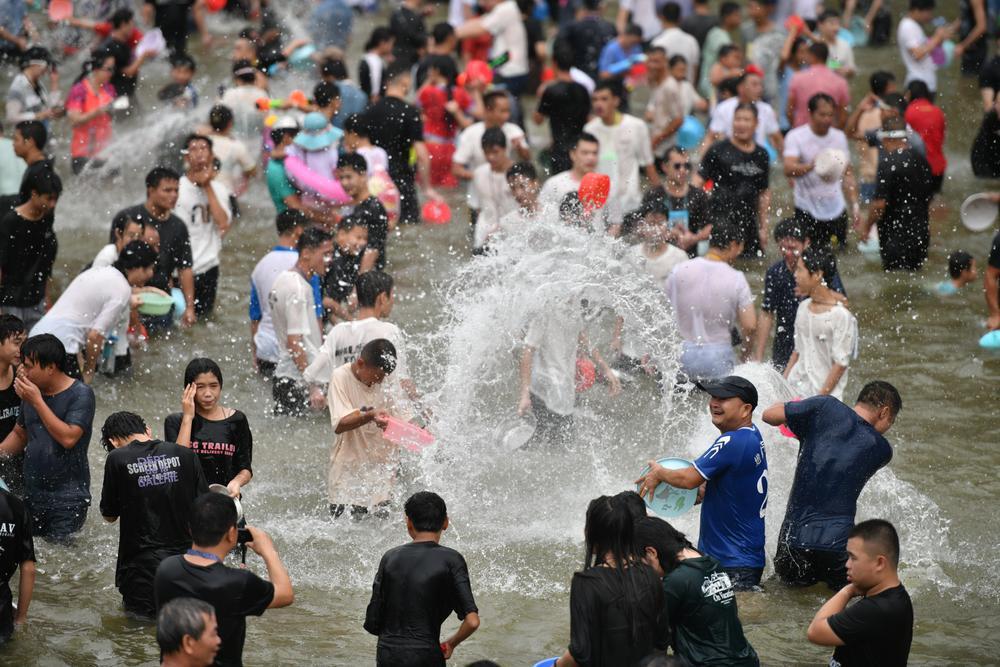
(701,605)
(278,184)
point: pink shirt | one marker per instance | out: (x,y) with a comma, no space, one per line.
(816,79)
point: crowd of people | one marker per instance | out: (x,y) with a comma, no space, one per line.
(666,126)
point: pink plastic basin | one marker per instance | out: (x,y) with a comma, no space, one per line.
(407,435)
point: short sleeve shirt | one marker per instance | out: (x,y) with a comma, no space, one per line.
(509,36)
(877,631)
(278,185)
(824,200)
(293,312)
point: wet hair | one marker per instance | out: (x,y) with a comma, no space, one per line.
(212,515)
(121,425)
(724,234)
(312,237)
(659,50)
(121,17)
(729,87)
(610,85)
(727,8)
(491,98)
(325,93)
(220,117)
(353,161)
(121,222)
(183,60)
(493,137)
(200,365)
(678,151)
(818,259)
(97,58)
(820,51)
(45,350)
(958,262)
(441,32)
(879,81)
(676,59)
(610,531)
(726,49)
(357,123)
(395,71)
(43,182)
(244,71)
(179,618)
(587,137)
(631,221)
(427,511)
(632,30)
(918,90)
(633,502)
(820,98)
(443,65)
(660,535)
(671,12)
(378,36)
(563,56)
(882,537)
(157,175)
(278,135)
(193,137)
(289,219)
(335,68)
(135,255)
(370,284)
(381,354)
(876,394)
(35,131)
(893,124)
(921,5)
(747,106)
(34,54)
(349,222)
(790,228)
(828,14)
(10,326)
(522,170)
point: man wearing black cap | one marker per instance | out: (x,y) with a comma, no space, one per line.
(840,448)
(734,472)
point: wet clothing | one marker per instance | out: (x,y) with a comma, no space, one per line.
(175,244)
(903,181)
(566,104)
(599,630)
(151,487)
(704,622)
(57,479)
(171,17)
(16,547)
(877,631)
(408,28)
(417,586)
(27,252)
(235,594)
(732,514)
(396,126)
(805,567)
(11,468)
(224,446)
(92,137)
(838,453)
(587,37)
(373,215)
(985,154)
(739,179)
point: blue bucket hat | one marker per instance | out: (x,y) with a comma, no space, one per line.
(317,133)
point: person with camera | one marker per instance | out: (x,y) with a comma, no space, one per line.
(235,593)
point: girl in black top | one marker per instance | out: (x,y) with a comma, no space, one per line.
(219,435)
(617,613)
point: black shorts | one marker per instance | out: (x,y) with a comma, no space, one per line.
(205,286)
(744,578)
(805,567)
(936,183)
(828,233)
(552,428)
(409,657)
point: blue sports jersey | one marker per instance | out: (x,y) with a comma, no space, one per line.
(732,515)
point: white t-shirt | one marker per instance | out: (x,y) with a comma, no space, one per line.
(376,158)
(624,149)
(248,121)
(659,268)
(722,119)
(707,296)
(95,300)
(455,15)
(555,190)
(343,344)
(555,336)
(192,208)
(293,312)
(270,266)
(910,35)
(841,56)
(821,199)
(822,340)
(676,42)
(495,201)
(504,22)
(469,150)
(235,159)
(106,257)
(644,16)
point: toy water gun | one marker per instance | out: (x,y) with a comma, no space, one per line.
(296,99)
(625,64)
(481,71)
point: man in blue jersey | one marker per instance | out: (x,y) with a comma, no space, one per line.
(840,448)
(734,472)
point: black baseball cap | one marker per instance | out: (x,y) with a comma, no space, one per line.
(731,386)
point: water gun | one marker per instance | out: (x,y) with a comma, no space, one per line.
(296,99)
(626,64)
(481,71)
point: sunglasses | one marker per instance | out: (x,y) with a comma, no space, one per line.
(680,165)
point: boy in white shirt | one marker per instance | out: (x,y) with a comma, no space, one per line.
(489,182)
(915,47)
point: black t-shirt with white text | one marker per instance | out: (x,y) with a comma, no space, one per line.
(224,446)
(16,547)
(877,631)
(151,486)
(739,177)
(234,593)
(12,467)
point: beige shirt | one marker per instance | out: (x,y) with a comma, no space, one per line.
(665,105)
(362,463)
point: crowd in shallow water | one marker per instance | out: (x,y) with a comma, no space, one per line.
(736,92)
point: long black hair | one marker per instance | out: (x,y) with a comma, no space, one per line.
(667,540)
